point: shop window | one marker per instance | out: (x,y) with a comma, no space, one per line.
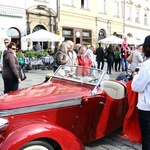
(68,33)
(86,37)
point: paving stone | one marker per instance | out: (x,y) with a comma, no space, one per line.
(125,147)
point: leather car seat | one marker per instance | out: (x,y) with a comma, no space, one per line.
(113,89)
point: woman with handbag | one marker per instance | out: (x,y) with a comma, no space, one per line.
(61,56)
(10,73)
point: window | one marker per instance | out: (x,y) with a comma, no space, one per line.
(145,19)
(13,32)
(68,2)
(102,34)
(85,4)
(128,13)
(102,6)
(137,16)
(116,9)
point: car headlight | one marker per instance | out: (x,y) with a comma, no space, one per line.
(3,124)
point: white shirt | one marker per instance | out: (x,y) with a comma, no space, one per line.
(1,61)
(90,53)
(141,84)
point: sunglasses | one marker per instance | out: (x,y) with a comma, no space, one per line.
(6,42)
(13,49)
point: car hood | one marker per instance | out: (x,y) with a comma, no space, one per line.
(48,92)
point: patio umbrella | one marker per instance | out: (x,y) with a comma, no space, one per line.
(111,40)
(42,36)
(132,40)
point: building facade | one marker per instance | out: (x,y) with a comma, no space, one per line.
(82,21)
(24,17)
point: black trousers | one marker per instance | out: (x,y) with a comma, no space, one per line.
(144,120)
(10,84)
(102,64)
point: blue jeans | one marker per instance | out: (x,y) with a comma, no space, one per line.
(144,120)
(124,64)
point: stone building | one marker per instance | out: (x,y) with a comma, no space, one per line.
(82,21)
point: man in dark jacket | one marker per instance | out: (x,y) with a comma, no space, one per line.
(100,57)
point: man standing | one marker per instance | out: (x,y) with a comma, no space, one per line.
(72,54)
(6,42)
(37,46)
(100,56)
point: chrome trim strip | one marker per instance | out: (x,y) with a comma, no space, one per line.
(42,107)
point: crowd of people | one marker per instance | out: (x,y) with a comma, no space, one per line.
(115,56)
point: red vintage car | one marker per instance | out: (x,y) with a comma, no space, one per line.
(76,106)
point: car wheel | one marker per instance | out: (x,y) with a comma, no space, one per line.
(37,145)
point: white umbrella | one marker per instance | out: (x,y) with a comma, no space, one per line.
(132,40)
(43,36)
(111,40)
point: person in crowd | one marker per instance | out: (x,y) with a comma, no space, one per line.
(6,42)
(10,72)
(117,53)
(141,84)
(61,57)
(37,46)
(90,53)
(72,54)
(124,54)
(83,60)
(21,58)
(100,57)
(76,48)
(110,58)
(137,58)
(92,56)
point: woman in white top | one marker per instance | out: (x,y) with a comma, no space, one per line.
(137,58)
(141,84)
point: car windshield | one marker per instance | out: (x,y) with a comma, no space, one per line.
(80,74)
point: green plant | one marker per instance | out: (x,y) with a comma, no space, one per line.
(36,54)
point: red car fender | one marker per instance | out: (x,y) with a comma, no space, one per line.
(17,138)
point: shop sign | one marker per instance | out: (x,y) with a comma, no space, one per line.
(11,14)
(67,33)
(85,34)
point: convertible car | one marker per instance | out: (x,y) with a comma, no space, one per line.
(77,105)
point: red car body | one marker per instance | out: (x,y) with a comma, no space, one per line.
(62,112)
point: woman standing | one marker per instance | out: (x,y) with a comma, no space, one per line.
(110,58)
(10,73)
(61,57)
(83,60)
(141,84)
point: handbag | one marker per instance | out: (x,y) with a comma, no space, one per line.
(21,73)
(129,58)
